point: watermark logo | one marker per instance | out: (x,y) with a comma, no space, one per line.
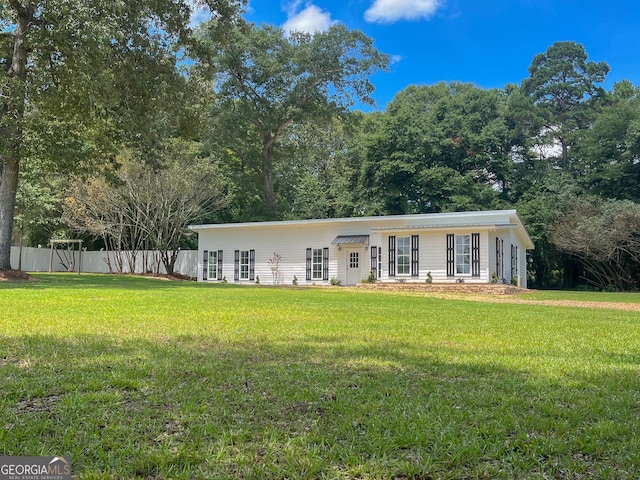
(35,468)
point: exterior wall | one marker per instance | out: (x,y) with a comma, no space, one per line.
(291,239)
(290,242)
(433,256)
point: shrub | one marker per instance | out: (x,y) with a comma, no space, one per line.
(335,281)
(429,277)
(294,281)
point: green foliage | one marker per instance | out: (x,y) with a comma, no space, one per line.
(335,281)
(295,280)
(371,278)
(438,148)
(269,82)
(429,278)
(495,278)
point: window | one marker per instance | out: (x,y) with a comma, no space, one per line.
(404,255)
(213,265)
(316,264)
(244,265)
(463,254)
(354,260)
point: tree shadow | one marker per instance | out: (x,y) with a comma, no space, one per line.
(203,407)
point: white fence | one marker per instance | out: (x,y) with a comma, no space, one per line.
(37,260)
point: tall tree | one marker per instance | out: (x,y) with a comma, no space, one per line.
(438,148)
(92,70)
(562,83)
(268,81)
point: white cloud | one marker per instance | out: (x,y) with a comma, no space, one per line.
(395,59)
(312,19)
(389,11)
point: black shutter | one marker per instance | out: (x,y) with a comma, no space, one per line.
(219,265)
(392,255)
(516,260)
(325,263)
(236,266)
(475,254)
(205,265)
(451,252)
(415,271)
(501,259)
(309,253)
(374,261)
(497,256)
(252,265)
(512,262)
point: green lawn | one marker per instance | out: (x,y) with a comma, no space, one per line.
(142,378)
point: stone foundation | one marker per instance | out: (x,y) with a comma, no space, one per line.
(465,288)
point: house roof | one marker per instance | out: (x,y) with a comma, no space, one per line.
(485,219)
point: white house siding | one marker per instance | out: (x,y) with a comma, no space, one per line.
(291,239)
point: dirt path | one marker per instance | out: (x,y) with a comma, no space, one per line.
(521,299)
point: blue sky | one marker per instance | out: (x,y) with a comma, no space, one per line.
(489,43)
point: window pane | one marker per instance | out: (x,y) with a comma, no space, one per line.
(244,264)
(463,254)
(403,255)
(213,265)
(317,264)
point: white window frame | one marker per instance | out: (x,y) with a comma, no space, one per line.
(244,265)
(316,263)
(461,254)
(212,273)
(407,266)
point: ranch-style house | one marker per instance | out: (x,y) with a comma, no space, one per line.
(469,247)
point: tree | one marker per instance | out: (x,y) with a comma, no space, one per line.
(267,82)
(144,206)
(609,151)
(93,71)
(562,84)
(438,148)
(605,236)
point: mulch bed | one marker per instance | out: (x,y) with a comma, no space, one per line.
(14,275)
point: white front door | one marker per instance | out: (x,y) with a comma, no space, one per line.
(354,260)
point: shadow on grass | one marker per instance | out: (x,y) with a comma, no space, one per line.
(99,281)
(197,407)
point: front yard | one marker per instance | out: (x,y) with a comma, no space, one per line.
(143,378)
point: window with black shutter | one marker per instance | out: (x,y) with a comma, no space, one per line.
(205,263)
(392,256)
(415,271)
(475,254)
(451,263)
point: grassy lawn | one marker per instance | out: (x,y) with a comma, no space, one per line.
(142,378)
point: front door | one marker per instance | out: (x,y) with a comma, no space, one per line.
(353,266)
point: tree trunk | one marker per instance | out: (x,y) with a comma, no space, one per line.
(268,181)
(15,112)
(8,189)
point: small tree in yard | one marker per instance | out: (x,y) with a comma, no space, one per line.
(274,264)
